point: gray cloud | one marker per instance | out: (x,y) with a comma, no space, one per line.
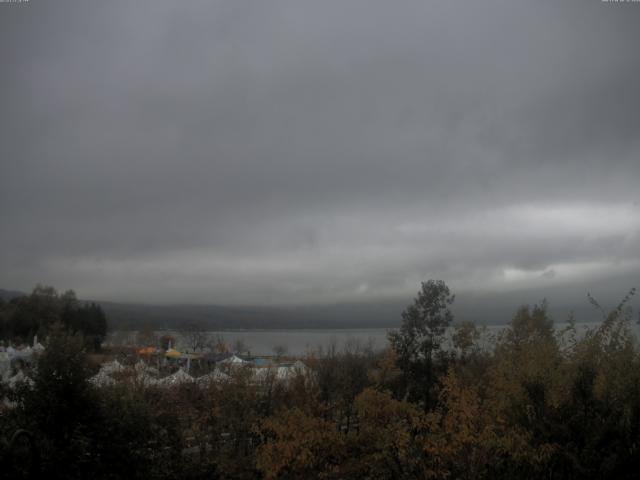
(286,152)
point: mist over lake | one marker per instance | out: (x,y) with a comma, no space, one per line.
(301,342)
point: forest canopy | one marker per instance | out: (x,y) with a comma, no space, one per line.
(24,317)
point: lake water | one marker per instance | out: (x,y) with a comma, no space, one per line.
(294,342)
(302,341)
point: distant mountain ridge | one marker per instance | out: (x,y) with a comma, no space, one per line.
(133,316)
(214,317)
(488,309)
(7,295)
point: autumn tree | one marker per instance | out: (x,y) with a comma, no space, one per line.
(386,444)
(386,375)
(218,344)
(146,336)
(230,419)
(418,341)
(298,445)
(464,338)
(35,314)
(61,402)
(279,351)
(195,336)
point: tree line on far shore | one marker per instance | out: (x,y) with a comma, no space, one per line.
(24,317)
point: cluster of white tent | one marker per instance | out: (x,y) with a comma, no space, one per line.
(25,352)
(140,373)
(10,355)
(282,373)
(144,375)
(19,378)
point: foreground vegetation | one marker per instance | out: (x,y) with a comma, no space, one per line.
(538,403)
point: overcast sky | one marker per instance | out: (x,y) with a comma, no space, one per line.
(290,152)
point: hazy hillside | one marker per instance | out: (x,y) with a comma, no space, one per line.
(488,310)
(7,295)
(216,317)
(493,309)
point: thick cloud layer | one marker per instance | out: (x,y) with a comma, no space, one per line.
(289,152)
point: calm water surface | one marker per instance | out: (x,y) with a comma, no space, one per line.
(303,341)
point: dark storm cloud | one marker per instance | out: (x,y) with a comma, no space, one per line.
(283,152)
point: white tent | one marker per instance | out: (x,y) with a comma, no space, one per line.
(142,368)
(214,377)
(263,374)
(102,379)
(144,379)
(177,378)
(283,373)
(5,365)
(300,368)
(278,373)
(144,374)
(18,378)
(24,353)
(233,360)
(111,367)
